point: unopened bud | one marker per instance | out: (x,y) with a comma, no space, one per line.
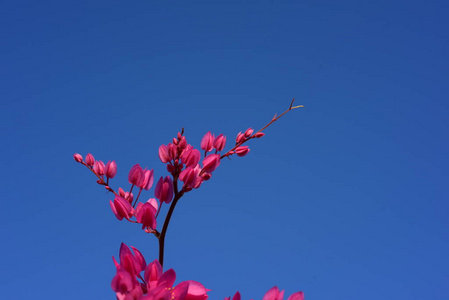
(78,157)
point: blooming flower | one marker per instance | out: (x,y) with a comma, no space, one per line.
(164,189)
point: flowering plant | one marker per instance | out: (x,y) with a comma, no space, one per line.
(189,168)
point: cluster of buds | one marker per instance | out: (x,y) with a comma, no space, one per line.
(186,163)
(128,283)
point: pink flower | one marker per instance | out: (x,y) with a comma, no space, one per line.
(164,190)
(121,208)
(242,150)
(211,162)
(123,282)
(99,167)
(248,132)
(147,180)
(191,157)
(273,294)
(163,154)
(220,142)
(90,160)
(196,291)
(152,273)
(240,138)
(190,177)
(259,134)
(135,175)
(133,263)
(207,143)
(78,157)
(146,214)
(111,169)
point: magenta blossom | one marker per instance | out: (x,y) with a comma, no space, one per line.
(121,208)
(164,190)
(146,214)
(220,142)
(147,180)
(242,150)
(135,175)
(111,169)
(211,162)
(207,143)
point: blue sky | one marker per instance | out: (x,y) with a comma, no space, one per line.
(344,199)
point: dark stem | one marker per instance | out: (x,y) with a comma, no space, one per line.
(161,237)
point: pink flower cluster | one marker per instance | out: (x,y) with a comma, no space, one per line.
(191,167)
(128,283)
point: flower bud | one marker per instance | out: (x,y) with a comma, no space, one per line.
(242,150)
(248,132)
(78,157)
(240,138)
(111,169)
(90,160)
(259,134)
(99,167)
(220,142)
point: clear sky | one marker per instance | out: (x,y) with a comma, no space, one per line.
(344,199)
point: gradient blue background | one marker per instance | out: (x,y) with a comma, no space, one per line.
(344,199)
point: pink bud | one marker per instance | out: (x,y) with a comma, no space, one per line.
(206,176)
(163,154)
(78,157)
(99,167)
(90,160)
(220,142)
(259,134)
(164,189)
(172,151)
(147,181)
(135,175)
(242,150)
(111,169)
(248,132)
(121,192)
(182,143)
(207,143)
(240,138)
(211,162)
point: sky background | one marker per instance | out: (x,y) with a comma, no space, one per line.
(346,198)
